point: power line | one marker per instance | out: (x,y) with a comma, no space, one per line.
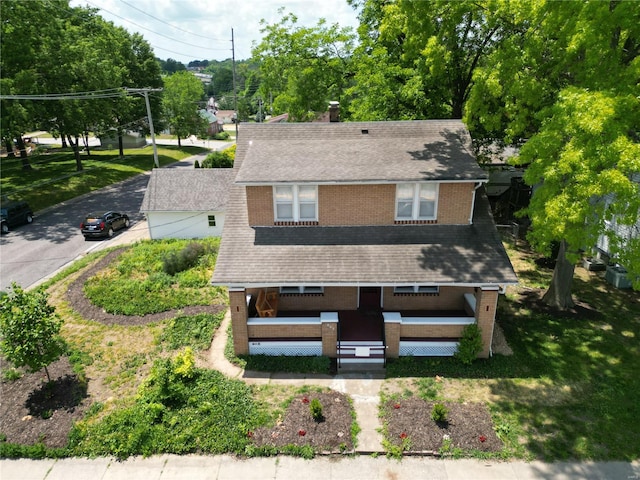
(157,33)
(172,26)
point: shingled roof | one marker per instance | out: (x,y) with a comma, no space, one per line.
(357,152)
(358,255)
(187,190)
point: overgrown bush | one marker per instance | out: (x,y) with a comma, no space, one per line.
(223,159)
(470,344)
(222,136)
(175,262)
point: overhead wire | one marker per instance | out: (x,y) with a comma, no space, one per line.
(157,33)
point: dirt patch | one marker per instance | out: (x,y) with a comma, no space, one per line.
(297,427)
(33,410)
(468,426)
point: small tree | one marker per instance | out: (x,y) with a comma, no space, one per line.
(29,330)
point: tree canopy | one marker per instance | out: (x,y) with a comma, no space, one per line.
(182,93)
(303,68)
(566,85)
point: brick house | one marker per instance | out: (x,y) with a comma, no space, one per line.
(359,241)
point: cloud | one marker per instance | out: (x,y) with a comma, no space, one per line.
(188,30)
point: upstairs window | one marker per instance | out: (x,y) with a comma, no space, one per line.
(296,203)
(416,201)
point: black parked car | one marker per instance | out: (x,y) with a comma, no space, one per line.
(14,212)
(103,225)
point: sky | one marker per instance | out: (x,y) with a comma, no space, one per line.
(187,30)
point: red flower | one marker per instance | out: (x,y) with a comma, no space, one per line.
(305,400)
(302,433)
(483,438)
(403,435)
(250,434)
(396,406)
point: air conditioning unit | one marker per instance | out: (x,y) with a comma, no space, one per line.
(617,276)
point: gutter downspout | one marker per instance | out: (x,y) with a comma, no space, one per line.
(473,201)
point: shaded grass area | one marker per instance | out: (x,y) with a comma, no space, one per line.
(54,178)
(570,389)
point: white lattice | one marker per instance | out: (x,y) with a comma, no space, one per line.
(428,349)
(291,349)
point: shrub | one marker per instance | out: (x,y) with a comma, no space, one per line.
(315,407)
(218,160)
(470,344)
(196,164)
(222,136)
(175,262)
(439,413)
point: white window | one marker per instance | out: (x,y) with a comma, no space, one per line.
(416,201)
(417,289)
(296,203)
(301,290)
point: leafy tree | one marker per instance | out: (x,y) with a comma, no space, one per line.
(566,84)
(416,59)
(29,330)
(182,92)
(303,68)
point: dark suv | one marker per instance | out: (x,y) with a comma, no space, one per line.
(14,212)
(104,224)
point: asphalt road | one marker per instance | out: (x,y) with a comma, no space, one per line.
(29,253)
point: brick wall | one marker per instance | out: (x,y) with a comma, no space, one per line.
(430,331)
(363,204)
(454,203)
(449,298)
(238,308)
(334,298)
(486,303)
(330,339)
(284,331)
(356,204)
(392,339)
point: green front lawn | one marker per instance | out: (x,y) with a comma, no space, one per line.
(54,179)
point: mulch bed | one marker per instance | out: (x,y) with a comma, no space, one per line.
(89,311)
(469,426)
(34,411)
(297,427)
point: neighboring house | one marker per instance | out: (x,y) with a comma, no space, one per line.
(359,241)
(186,202)
(214,125)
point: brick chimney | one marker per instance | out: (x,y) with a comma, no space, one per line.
(334,111)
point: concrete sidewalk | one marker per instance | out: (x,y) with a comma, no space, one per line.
(225,467)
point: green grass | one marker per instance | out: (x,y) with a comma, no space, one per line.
(54,179)
(137,284)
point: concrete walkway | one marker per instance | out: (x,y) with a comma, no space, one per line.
(225,467)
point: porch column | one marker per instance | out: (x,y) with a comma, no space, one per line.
(392,326)
(329,323)
(486,303)
(239,316)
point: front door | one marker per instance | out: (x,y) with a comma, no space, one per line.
(370,299)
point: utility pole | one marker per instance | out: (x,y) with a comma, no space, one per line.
(145,92)
(235,95)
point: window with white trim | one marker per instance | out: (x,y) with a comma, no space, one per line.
(301,290)
(295,203)
(416,201)
(432,289)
